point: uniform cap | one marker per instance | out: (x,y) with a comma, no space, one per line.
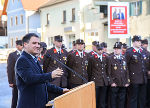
(79,41)
(104,44)
(95,43)
(58,38)
(136,38)
(118,45)
(43,45)
(145,41)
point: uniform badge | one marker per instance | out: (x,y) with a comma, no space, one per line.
(54,61)
(65,58)
(86,62)
(135,56)
(144,56)
(124,65)
(115,67)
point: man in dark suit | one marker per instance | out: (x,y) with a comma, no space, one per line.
(12,58)
(50,64)
(32,83)
(121,15)
(78,61)
(93,52)
(119,77)
(97,72)
(136,61)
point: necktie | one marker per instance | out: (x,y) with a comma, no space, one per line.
(139,51)
(59,52)
(81,55)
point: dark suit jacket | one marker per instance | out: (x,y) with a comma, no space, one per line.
(78,64)
(97,70)
(32,83)
(50,64)
(12,58)
(118,71)
(137,66)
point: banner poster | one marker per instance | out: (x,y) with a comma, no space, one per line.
(118,20)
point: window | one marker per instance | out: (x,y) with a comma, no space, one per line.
(48,18)
(148,6)
(16,20)
(103,9)
(73,14)
(11,21)
(136,8)
(50,41)
(12,42)
(21,19)
(64,16)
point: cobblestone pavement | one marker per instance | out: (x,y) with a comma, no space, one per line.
(5,90)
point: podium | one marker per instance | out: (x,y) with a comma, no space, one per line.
(80,97)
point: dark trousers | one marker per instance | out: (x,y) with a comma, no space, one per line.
(148,93)
(101,96)
(137,95)
(14,97)
(118,97)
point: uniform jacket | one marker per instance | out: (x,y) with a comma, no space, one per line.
(97,70)
(32,83)
(50,64)
(78,64)
(137,65)
(118,71)
(12,58)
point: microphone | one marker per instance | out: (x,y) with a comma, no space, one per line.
(49,56)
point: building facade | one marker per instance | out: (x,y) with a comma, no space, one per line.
(88,20)
(22,18)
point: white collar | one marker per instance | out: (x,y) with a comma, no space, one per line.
(58,49)
(80,52)
(137,49)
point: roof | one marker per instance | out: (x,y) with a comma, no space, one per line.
(4,8)
(27,5)
(52,2)
(33,4)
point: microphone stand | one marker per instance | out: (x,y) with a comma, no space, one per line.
(68,68)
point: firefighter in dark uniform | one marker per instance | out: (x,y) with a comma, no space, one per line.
(105,48)
(94,49)
(43,49)
(50,64)
(136,61)
(97,72)
(78,61)
(119,77)
(124,48)
(145,46)
(73,47)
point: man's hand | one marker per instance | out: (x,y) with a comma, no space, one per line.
(126,85)
(113,85)
(65,90)
(148,72)
(11,85)
(57,73)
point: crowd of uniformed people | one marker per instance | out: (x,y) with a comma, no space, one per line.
(122,77)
